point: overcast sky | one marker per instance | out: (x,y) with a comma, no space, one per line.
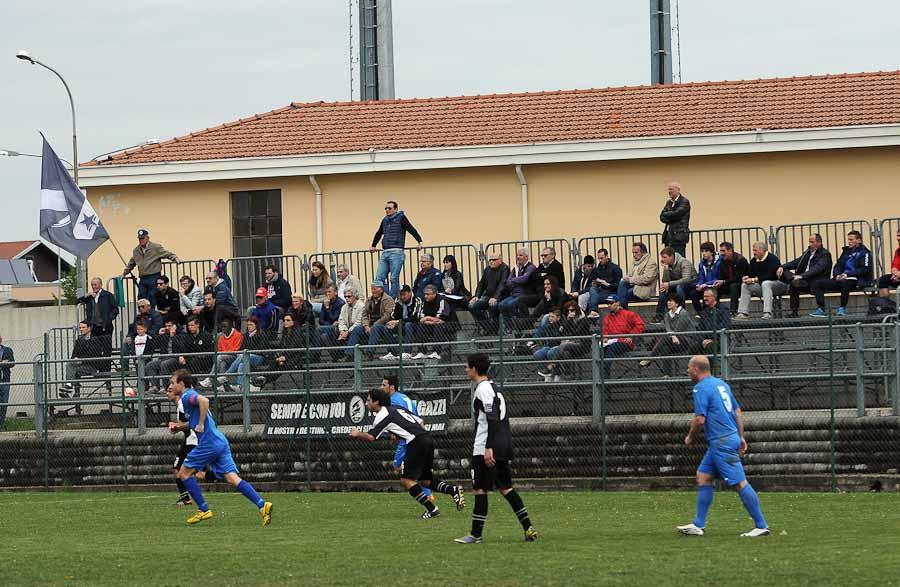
(156,69)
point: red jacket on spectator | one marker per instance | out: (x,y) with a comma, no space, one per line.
(895,264)
(622,322)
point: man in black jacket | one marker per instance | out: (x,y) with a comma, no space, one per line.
(802,273)
(732,270)
(168,301)
(713,318)
(853,270)
(100,308)
(7,362)
(549,266)
(676,215)
(161,367)
(279,289)
(87,346)
(489,289)
(196,341)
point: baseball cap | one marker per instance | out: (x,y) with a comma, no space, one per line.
(262,293)
(405,288)
(143,232)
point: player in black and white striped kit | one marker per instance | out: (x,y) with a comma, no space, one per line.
(492,452)
(187,445)
(417,463)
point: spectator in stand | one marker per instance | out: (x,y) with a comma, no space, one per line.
(302,310)
(379,308)
(640,283)
(574,330)
(319,280)
(676,215)
(150,317)
(427,275)
(892,279)
(228,345)
(160,368)
(517,284)
(805,271)
(195,345)
(454,290)
(437,324)
(168,301)
(731,274)
(852,271)
(675,341)
(351,324)
(100,308)
(581,282)
(548,266)
(190,297)
(617,325)
(490,288)
(345,280)
(256,342)
(265,312)
(328,319)
(7,362)
(226,307)
(552,296)
(678,275)
(208,314)
(408,311)
(392,234)
(293,341)
(713,318)
(761,280)
(142,341)
(87,347)
(147,257)
(278,290)
(605,280)
(707,273)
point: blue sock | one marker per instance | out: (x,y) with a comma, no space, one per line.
(751,503)
(247,490)
(704,500)
(426,491)
(194,489)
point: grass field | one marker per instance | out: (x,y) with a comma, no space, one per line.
(377,539)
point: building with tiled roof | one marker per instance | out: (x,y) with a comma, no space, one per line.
(313,176)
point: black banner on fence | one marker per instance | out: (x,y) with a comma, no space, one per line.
(336,414)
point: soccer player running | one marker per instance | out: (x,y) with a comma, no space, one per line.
(492,452)
(188,442)
(212,450)
(419,458)
(389,385)
(716,410)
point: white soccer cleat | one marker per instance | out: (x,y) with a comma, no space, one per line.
(756,532)
(388,357)
(690,530)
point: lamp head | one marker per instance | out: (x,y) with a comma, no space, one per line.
(24,56)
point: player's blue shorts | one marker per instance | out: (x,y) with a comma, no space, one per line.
(217,458)
(722,460)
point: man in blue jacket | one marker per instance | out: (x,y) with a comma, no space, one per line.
(853,270)
(7,362)
(392,234)
(428,275)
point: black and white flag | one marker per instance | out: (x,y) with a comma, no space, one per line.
(67,218)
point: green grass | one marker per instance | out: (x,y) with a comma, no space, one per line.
(377,539)
(17,424)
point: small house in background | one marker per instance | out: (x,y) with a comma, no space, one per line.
(28,272)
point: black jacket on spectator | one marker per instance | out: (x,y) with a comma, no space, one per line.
(168,302)
(609,272)
(208,320)
(161,345)
(555,269)
(263,340)
(766,269)
(491,282)
(92,348)
(413,310)
(302,315)
(714,319)
(581,283)
(677,218)
(818,268)
(153,318)
(733,271)
(855,263)
(293,343)
(438,308)
(580,326)
(545,305)
(280,292)
(6,355)
(203,342)
(106,306)
(459,285)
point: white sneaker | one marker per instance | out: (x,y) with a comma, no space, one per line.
(556,379)
(644,363)
(388,357)
(206,382)
(433,356)
(409,356)
(222,379)
(254,387)
(417,356)
(767,316)
(756,532)
(690,530)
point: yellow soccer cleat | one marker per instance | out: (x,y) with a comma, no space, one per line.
(199,517)
(266,512)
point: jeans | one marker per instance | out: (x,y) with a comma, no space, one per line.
(598,294)
(357,336)
(845,286)
(613,350)
(4,399)
(547,353)
(683,291)
(240,368)
(509,307)
(625,293)
(482,306)
(223,362)
(767,289)
(158,370)
(316,308)
(391,261)
(147,288)
(381,333)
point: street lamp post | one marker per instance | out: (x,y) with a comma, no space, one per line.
(11,153)
(24,56)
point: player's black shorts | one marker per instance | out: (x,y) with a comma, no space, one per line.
(182,454)
(489,478)
(419,459)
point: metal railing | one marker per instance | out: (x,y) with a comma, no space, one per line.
(247,275)
(791,239)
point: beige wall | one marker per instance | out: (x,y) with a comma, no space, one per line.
(480,205)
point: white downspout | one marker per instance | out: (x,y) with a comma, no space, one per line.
(524,183)
(318,190)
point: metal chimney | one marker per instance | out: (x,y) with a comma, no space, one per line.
(660,42)
(376,50)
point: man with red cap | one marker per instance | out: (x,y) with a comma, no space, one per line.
(265,312)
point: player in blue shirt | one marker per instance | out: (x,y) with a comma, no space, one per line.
(212,449)
(716,410)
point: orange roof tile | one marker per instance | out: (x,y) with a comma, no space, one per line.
(571,115)
(10,249)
